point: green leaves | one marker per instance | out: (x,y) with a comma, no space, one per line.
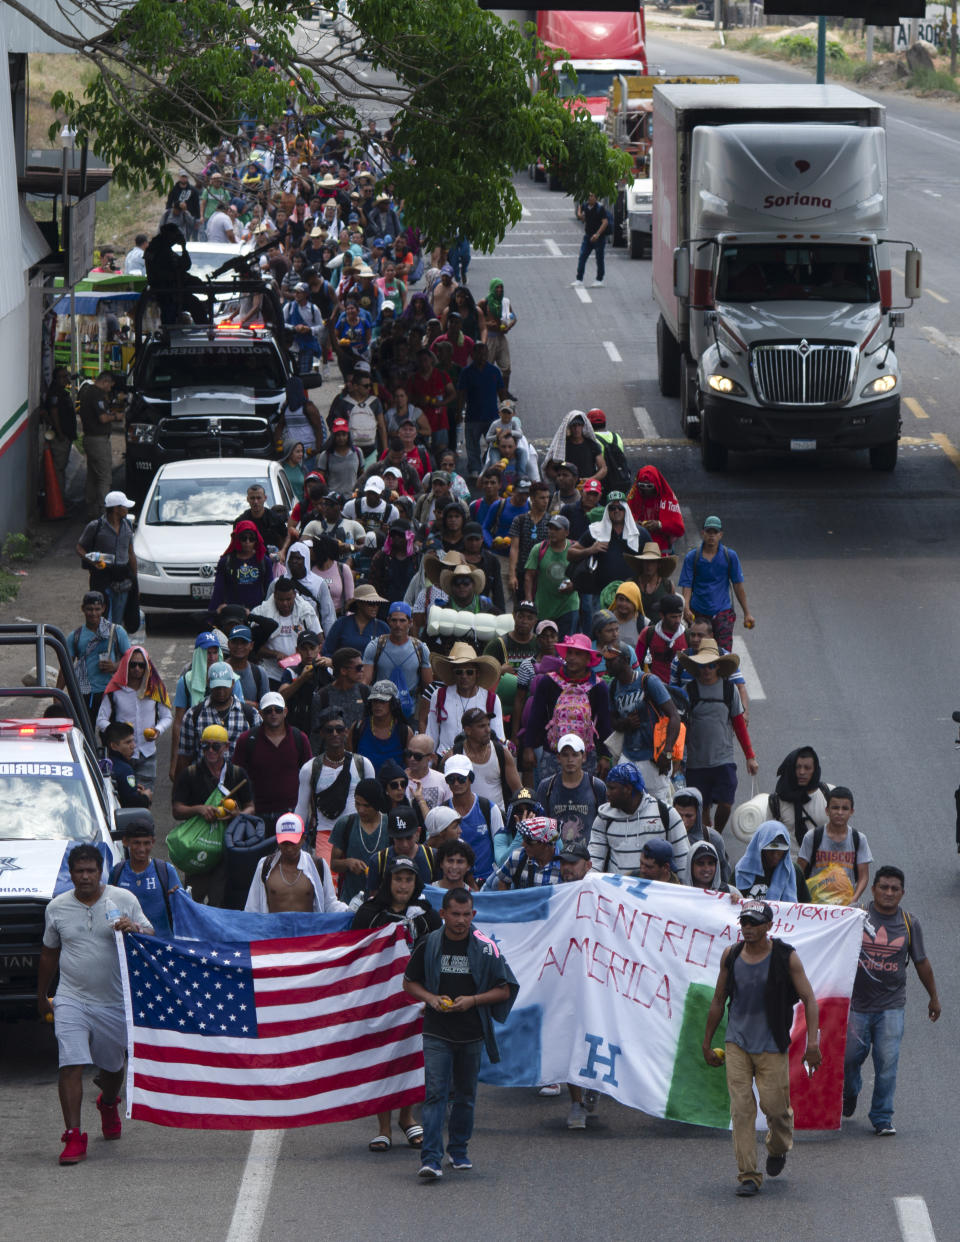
(174,78)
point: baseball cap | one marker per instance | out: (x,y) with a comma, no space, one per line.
(289,826)
(526,605)
(114,500)
(402,822)
(712,523)
(242,631)
(393,470)
(574,852)
(661,852)
(140,826)
(401,864)
(271,699)
(340,424)
(559,522)
(384,691)
(458,765)
(593,486)
(547,624)
(571,739)
(301,287)
(522,485)
(374,484)
(568,465)
(219,674)
(756,912)
(207,640)
(439,820)
(473,715)
(309,638)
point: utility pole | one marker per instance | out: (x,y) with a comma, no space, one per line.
(822,50)
(953,39)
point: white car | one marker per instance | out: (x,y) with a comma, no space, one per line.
(53,796)
(184,525)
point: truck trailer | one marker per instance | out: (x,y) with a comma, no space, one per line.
(771,269)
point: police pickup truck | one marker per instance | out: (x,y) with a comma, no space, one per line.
(53,796)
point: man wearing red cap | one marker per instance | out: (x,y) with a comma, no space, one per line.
(289,879)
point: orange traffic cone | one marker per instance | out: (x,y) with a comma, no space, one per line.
(53,498)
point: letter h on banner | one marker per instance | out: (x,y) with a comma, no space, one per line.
(594,1057)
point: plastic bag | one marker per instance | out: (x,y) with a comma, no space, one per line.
(196,846)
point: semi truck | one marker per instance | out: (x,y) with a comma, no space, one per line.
(771,269)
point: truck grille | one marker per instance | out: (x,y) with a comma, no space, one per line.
(209,437)
(21,936)
(803,374)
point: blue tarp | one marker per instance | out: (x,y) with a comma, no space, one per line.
(89,303)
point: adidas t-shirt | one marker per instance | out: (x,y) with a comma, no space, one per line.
(881,981)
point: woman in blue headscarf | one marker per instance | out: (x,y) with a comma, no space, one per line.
(766,870)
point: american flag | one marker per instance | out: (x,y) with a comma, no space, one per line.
(271,1034)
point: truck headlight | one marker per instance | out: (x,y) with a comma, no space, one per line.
(726,385)
(141,433)
(884,384)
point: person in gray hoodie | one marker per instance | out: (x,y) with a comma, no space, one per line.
(688,804)
(704,870)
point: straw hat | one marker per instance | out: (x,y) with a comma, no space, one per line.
(434,564)
(709,653)
(366,594)
(460,571)
(462,655)
(648,553)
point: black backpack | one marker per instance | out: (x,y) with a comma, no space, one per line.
(618,478)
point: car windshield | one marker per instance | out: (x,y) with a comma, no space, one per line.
(828,273)
(590,83)
(202,502)
(37,807)
(204,264)
(227,365)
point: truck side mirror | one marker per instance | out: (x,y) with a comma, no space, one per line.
(681,272)
(913,273)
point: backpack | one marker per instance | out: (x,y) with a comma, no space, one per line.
(249,715)
(693,697)
(618,477)
(660,728)
(500,751)
(572,713)
(404,697)
(442,698)
(662,808)
(163,879)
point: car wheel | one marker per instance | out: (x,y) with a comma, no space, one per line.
(638,245)
(884,456)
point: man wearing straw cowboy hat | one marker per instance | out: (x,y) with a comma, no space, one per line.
(459,586)
(716,714)
(468,681)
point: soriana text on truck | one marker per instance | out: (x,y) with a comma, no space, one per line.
(771,269)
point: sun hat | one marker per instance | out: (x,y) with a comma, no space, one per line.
(435,563)
(449,576)
(651,552)
(366,594)
(579,642)
(709,653)
(462,655)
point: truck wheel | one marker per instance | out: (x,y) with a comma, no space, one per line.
(712,454)
(553,182)
(669,360)
(884,456)
(689,406)
(638,245)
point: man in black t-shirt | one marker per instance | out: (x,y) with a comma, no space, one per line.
(272,526)
(594,217)
(456,976)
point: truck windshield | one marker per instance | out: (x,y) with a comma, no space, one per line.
(45,808)
(827,273)
(213,367)
(590,83)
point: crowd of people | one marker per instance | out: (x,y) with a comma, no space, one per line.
(459,661)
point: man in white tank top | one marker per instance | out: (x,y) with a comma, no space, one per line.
(479,747)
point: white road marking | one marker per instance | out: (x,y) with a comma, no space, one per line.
(933,193)
(26,620)
(525,210)
(914,1219)
(582,294)
(612,352)
(255,1185)
(645,423)
(922,129)
(753,684)
(552,247)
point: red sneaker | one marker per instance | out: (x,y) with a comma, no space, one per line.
(109,1117)
(75,1149)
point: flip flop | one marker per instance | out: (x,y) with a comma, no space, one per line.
(414,1135)
(381,1143)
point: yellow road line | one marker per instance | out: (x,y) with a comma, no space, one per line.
(937,297)
(951,451)
(915,408)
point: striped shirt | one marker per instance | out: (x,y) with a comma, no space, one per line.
(616,842)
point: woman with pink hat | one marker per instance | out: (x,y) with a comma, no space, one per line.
(572,700)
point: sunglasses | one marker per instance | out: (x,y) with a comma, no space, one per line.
(417,754)
(211,745)
(248,539)
(334,728)
(272,709)
(457,780)
(397,784)
(136,664)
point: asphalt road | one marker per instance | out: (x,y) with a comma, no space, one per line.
(852,577)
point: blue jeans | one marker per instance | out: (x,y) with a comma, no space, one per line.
(116,605)
(598,248)
(458,257)
(473,433)
(883,1031)
(445,1064)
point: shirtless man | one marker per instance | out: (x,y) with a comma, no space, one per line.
(289,879)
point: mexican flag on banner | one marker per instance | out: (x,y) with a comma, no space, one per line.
(616,977)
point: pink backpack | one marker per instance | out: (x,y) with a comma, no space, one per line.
(572,713)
